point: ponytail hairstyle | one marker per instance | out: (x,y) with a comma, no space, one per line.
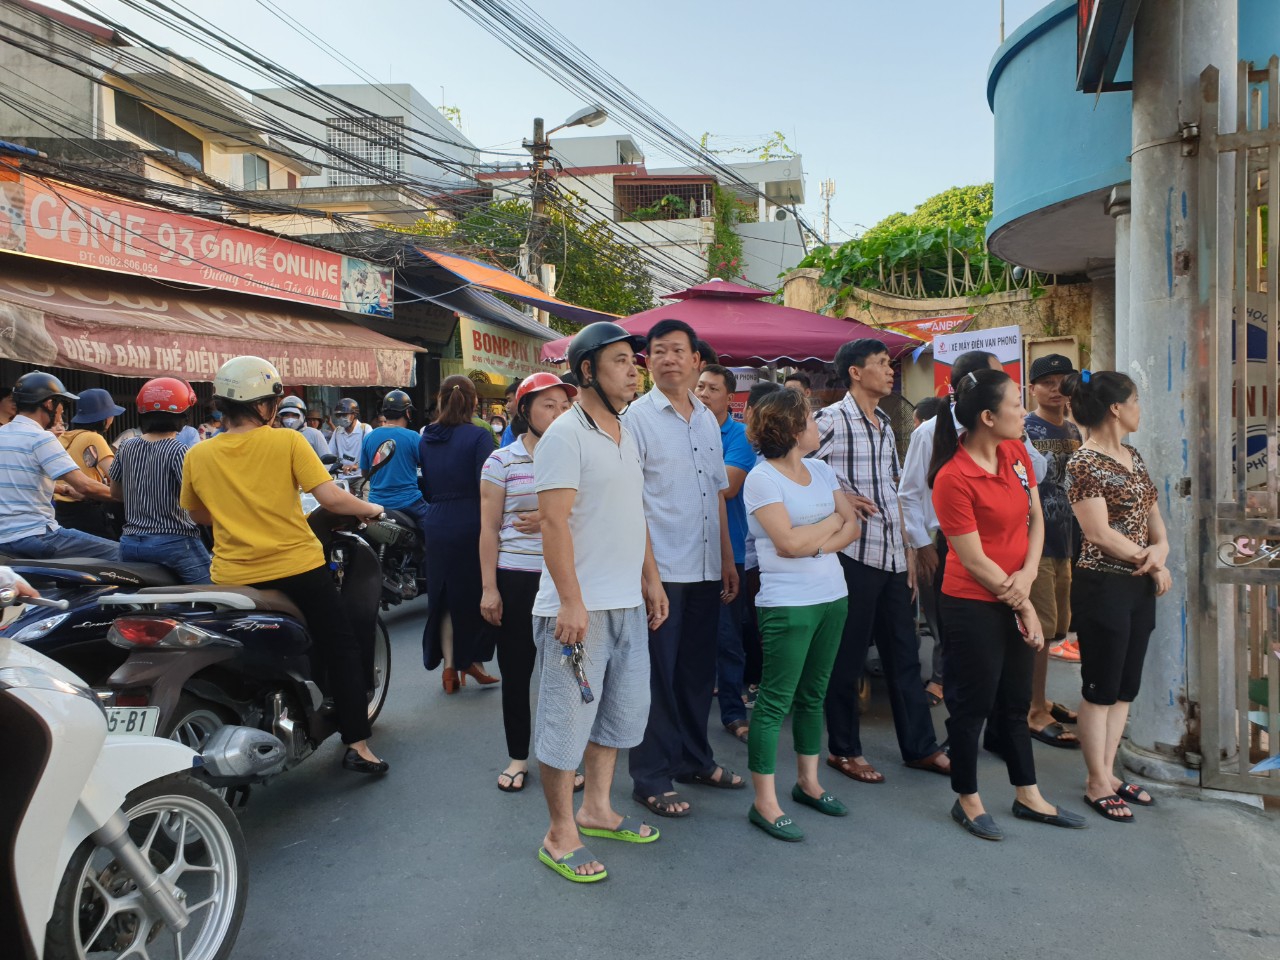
(977,391)
(456,402)
(1092,394)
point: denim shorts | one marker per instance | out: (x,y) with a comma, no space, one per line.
(185,556)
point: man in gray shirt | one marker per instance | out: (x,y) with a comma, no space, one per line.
(684,481)
(589,617)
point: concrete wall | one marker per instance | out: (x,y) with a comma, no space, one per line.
(770,249)
(41,87)
(390,100)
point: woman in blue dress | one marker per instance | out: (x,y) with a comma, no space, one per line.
(453,451)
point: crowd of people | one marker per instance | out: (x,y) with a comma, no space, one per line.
(642,556)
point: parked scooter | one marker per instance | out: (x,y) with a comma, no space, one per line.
(398,543)
(76,636)
(203,657)
(110,847)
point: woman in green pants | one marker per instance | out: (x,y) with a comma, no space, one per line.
(800,521)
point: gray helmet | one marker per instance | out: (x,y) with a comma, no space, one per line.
(292,403)
(594,337)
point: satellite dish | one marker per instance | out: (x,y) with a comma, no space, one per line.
(780,214)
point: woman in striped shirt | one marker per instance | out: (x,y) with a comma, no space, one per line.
(511,560)
(147,475)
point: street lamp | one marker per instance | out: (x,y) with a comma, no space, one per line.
(540,148)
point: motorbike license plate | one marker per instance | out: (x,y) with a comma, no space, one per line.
(140,721)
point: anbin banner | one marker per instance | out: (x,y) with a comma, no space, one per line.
(1004,342)
(68,224)
(494,349)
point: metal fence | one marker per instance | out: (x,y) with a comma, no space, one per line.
(1237,620)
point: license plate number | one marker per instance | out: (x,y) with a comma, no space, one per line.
(140,721)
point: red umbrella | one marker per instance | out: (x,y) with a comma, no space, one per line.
(748,332)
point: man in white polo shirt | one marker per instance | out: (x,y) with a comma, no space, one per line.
(32,465)
(589,618)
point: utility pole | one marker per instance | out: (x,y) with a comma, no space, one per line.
(1002,22)
(828,191)
(1172,43)
(540,149)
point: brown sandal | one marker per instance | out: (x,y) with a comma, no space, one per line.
(739,729)
(931,763)
(854,770)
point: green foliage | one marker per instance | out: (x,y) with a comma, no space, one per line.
(939,250)
(453,115)
(774,148)
(669,207)
(724,256)
(593,268)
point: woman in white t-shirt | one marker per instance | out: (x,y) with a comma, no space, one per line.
(800,521)
(511,560)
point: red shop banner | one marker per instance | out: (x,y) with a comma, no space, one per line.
(68,224)
(125,331)
(931,327)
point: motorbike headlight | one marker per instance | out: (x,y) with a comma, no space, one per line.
(40,628)
(34,678)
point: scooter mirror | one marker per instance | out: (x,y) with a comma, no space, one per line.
(382,456)
(328,459)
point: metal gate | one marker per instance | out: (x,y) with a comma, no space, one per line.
(1238,624)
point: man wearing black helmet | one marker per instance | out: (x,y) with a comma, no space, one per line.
(348,440)
(395,486)
(32,465)
(589,618)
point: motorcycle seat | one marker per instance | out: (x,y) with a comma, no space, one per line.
(404,519)
(269,601)
(104,571)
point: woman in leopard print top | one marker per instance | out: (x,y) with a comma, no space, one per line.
(1118,576)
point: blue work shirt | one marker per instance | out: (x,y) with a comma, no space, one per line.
(508,437)
(395,486)
(737,453)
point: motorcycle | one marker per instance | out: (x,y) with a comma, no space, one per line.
(111,846)
(204,660)
(309,503)
(76,636)
(398,544)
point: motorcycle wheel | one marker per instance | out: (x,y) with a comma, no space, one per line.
(98,910)
(195,721)
(381,670)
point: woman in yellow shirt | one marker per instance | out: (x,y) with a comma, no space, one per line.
(244,483)
(87,444)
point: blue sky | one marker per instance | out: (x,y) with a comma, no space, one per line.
(885,98)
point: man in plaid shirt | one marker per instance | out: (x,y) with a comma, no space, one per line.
(857,442)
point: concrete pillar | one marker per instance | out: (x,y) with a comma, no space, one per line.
(1119,206)
(1102,316)
(1173,42)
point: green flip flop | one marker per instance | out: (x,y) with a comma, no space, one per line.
(627,831)
(566,864)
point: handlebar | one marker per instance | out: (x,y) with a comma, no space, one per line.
(9,598)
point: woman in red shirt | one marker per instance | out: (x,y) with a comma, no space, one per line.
(984,492)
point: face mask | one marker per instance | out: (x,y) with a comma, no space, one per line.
(497,428)
(342,421)
(292,422)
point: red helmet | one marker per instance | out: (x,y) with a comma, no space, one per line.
(537,382)
(166,395)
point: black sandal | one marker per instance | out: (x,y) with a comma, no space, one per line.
(353,761)
(1061,713)
(1111,807)
(663,806)
(726,781)
(1132,793)
(513,787)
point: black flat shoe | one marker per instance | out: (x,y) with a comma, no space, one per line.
(982,826)
(353,761)
(1063,818)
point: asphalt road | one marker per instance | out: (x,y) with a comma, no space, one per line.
(433,861)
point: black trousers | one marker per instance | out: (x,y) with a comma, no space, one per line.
(754,666)
(988,669)
(879,606)
(516,654)
(682,674)
(348,663)
(930,596)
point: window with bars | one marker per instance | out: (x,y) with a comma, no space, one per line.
(379,141)
(653,198)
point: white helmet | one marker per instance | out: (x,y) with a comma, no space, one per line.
(246,379)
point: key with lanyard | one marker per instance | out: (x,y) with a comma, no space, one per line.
(576,656)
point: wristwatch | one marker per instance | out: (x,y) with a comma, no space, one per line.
(818,554)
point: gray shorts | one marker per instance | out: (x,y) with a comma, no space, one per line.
(617,667)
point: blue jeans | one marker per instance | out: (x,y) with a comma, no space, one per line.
(61,543)
(185,556)
(731,656)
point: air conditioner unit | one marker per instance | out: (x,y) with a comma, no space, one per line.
(780,214)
